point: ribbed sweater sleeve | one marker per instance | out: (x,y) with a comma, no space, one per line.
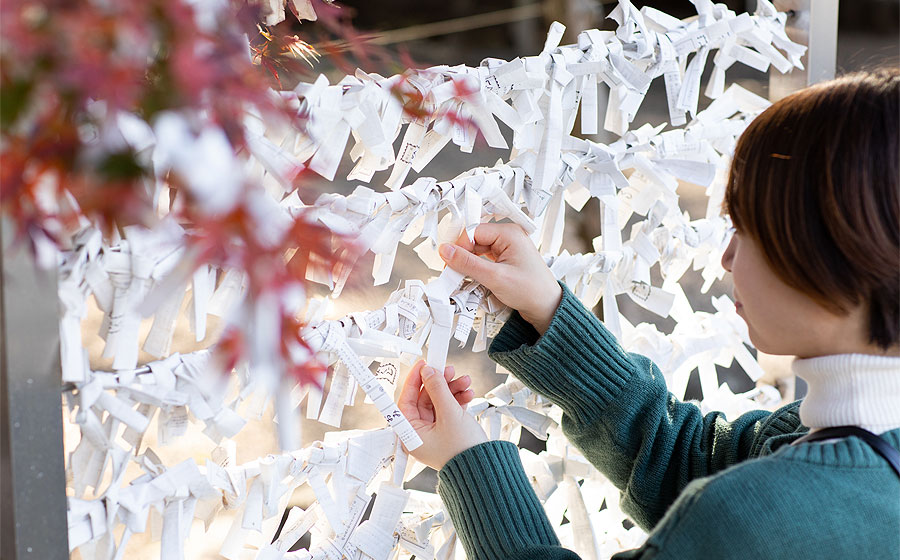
(617,409)
(493,507)
(577,364)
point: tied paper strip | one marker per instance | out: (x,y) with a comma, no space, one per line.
(442,313)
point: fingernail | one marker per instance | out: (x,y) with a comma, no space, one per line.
(427,372)
(446,250)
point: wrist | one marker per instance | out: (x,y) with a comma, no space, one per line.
(540,318)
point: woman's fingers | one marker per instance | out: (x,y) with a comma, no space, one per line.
(415,402)
(464,397)
(460,384)
(496,235)
(424,399)
(425,407)
(477,248)
(485,251)
(491,240)
(467,263)
(442,399)
(409,393)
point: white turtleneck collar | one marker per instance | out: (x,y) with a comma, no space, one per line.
(851,390)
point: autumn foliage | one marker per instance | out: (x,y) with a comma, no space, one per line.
(70,69)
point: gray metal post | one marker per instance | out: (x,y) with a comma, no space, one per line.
(32,473)
(813,23)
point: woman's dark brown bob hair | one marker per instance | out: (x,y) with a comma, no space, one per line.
(814,181)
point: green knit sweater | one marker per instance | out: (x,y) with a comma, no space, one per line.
(702,486)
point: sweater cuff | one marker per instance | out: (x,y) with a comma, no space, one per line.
(492,504)
(578,364)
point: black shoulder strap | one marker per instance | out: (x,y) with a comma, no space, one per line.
(877,443)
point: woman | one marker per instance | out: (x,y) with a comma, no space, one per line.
(815,258)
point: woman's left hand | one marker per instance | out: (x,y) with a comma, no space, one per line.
(435,406)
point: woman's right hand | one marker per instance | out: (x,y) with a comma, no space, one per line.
(516,272)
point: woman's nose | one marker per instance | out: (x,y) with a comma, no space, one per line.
(728,255)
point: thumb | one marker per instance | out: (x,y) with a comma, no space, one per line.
(462,261)
(439,391)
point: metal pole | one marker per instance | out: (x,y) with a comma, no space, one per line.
(32,471)
(456,25)
(813,23)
